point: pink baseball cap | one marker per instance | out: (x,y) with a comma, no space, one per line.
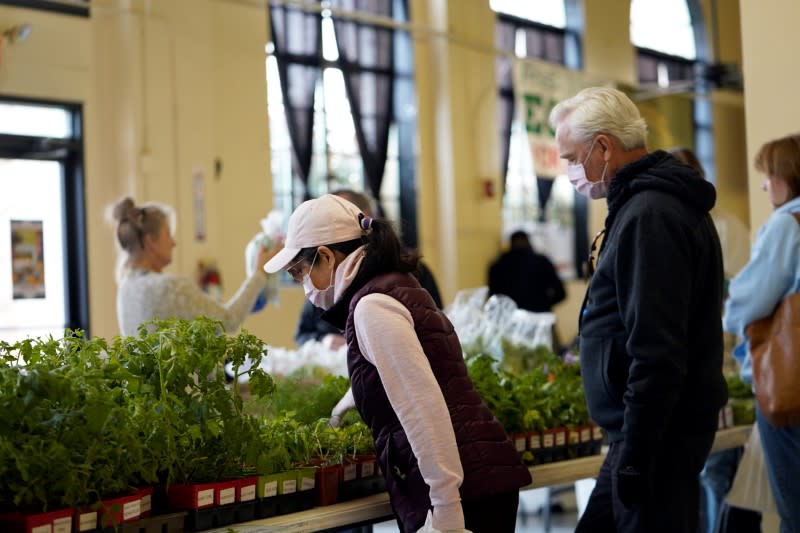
(328,219)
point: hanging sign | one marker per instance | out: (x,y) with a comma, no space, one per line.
(538,87)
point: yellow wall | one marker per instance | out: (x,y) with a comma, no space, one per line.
(170,86)
(772,83)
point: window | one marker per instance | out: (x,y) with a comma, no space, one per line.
(43,281)
(71,7)
(664,26)
(549,12)
(336,162)
(668,63)
(544,206)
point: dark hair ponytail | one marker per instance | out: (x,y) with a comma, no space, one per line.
(384,253)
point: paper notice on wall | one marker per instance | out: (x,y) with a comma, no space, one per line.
(27,259)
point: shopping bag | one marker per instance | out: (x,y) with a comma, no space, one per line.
(751,488)
(775,353)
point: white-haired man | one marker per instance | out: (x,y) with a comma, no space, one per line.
(650,325)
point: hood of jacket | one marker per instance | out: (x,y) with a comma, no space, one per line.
(660,171)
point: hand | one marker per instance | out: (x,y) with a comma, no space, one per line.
(631,486)
(265,254)
(333,341)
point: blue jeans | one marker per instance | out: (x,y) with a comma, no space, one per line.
(716,480)
(782,457)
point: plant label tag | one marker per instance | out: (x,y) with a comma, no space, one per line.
(289,486)
(270,489)
(349,473)
(205,497)
(87,521)
(62,525)
(367,469)
(574,436)
(519,443)
(308,483)
(132,509)
(560,438)
(146,503)
(227,496)
(586,434)
(535,441)
(547,440)
(48,528)
(597,433)
(247,493)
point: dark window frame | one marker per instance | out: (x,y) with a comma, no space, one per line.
(53,7)
(70,153)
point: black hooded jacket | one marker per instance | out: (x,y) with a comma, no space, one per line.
(650,327)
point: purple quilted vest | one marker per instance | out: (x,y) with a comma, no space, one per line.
(490,462)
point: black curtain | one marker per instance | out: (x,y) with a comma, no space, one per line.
(298,50)
(505,33)
(366,58)
(545,188)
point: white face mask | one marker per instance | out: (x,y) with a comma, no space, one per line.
(322,298)
(577,177)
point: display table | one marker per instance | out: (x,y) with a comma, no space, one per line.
(376,508)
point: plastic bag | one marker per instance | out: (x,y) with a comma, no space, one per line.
(751,488)
(271,228)
(490,322)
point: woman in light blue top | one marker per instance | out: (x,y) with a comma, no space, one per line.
(772,273)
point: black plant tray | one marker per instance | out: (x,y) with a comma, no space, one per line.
(294,502)
(202,519)
(358,488)
(163,523)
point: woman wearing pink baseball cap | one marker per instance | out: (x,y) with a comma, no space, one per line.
(440,449)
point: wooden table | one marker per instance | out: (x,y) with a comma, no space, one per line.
(376,508)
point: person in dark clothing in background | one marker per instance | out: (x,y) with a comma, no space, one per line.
(311,325)
(527,277)
(650,326)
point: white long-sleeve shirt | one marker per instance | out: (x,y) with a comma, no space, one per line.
(387,339)
(143,295)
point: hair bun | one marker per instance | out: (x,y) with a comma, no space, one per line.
(125,210)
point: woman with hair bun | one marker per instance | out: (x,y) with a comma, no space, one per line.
(145,292)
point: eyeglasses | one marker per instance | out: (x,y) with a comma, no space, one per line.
(592,259)
(299,270)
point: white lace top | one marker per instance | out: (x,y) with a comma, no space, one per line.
(143,295)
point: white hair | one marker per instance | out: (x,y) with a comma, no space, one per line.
(601,110)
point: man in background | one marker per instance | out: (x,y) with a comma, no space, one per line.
(527,277)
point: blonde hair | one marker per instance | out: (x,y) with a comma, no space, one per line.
(601,110)
(132,224)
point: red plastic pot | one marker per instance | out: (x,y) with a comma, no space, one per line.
(327,484)
(114,511)
(56,521)
(191,496)
(246,489)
